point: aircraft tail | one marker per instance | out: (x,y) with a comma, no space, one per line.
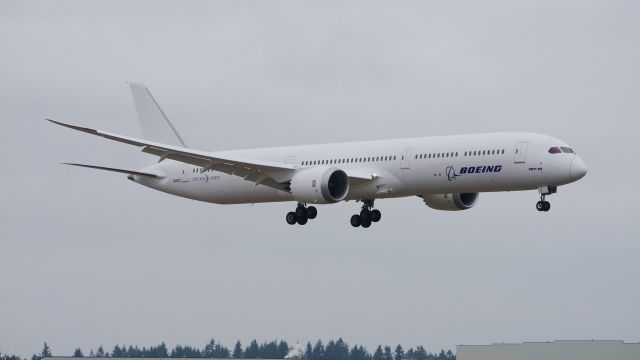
(155,124)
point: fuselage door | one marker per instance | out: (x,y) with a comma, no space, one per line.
(405,159)
(291,159)
(520,152)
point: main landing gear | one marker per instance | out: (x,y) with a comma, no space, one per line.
(301,215)
(544,205)
(367,215)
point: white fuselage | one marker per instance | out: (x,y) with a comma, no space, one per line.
(401,167)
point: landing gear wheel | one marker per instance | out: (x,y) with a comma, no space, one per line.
(301,211)
(312,212)
(355,220)
(365,223)
(292,218)
(376,215)
(547,206)
(302,220)
(365,215)
(540,205)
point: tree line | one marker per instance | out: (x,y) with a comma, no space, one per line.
(276,349)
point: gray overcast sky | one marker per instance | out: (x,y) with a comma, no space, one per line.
(89,258)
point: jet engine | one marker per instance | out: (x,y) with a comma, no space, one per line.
(451,202)
(320,185)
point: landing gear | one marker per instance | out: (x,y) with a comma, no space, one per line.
(544,205)
(301,215)
(367,215)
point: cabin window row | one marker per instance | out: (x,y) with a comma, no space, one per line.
(436,155)
(483,152)
(455,154)
(349,160)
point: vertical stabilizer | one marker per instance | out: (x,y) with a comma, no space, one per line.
(155,124)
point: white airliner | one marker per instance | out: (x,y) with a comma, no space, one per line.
(447,172)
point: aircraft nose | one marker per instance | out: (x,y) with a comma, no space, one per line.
(578,169)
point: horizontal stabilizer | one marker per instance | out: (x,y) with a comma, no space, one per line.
(130,172)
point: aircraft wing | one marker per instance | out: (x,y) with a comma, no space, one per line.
(274,174)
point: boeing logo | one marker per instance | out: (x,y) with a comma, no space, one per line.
(452,175)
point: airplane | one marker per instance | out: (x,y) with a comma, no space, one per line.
(447,172)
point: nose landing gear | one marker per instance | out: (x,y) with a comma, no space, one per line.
(367,215)
(544,205)
(301,215)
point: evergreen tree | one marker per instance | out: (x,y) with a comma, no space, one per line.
(359,353)
(252,351)
(237,350)
(379,354)
(420,353)
(46,352)
(387,353)
(283,349)
(399,353)
(342,350)
(116,352)
(9,357)
(411,354)
(308,351)
(330,351)
(318,351)
(78,353)
(100,352)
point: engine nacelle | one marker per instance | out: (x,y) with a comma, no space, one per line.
(320,185)
(451,202)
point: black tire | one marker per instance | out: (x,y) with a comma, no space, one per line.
(376,215)
(302,220)
(365,223)
(355,220)
(365,215)
(292,218)
(312,212)
(301,211)
(540,206)
(547,206)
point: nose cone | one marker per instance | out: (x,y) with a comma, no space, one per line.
(578,169)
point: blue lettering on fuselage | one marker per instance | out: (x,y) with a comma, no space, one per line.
(480,169)
(473,170)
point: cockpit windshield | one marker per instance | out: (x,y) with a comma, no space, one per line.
(561,149)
